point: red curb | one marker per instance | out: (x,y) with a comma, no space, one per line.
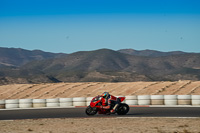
(139,106)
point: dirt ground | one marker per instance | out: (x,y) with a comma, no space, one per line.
(102,125)
(91,89)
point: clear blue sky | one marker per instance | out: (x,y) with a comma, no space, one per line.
(82,25)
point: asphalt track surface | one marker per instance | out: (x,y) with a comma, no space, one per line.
(80,113)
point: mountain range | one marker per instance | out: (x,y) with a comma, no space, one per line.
(103,65)
(149,53)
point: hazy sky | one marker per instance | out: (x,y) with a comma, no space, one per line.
(82,25)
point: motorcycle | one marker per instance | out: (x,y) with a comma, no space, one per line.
(96,106)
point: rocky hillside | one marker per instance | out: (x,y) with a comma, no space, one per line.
(106,65)
(16,57)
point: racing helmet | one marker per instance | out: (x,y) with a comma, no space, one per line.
(105,95)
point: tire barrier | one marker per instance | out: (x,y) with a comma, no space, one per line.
(184,99)
(79,101)
(52,102)
(131,100)
(170,100)
(88,100)
(38,103)
(12,103)
(85,101)
(195,99)
(25,103)
(66,102)
(2,104)
(144,100)
(157,100)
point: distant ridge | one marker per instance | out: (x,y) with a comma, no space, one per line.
(18,57)
(150,53)
(103,65)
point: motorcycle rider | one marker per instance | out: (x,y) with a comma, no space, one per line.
(108,100)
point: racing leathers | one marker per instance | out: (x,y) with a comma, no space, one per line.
(111,100)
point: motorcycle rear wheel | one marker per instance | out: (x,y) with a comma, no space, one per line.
(122,109)
(90,111)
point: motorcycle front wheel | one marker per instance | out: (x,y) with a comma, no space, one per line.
(122,109)
(90,111)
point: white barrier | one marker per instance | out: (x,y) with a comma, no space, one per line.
(85,101)
(157,99)
(195,99)
(144,100)
(12,103)
(184,99)
(88,100)
(25,103)
(79,101)
(170,100)
(66,102)
(131,100)
(52,102)
(38,103)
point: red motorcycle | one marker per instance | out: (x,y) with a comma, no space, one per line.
(97,102)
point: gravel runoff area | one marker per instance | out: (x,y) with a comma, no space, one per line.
(102,125)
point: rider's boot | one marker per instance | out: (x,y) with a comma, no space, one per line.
(112,111)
